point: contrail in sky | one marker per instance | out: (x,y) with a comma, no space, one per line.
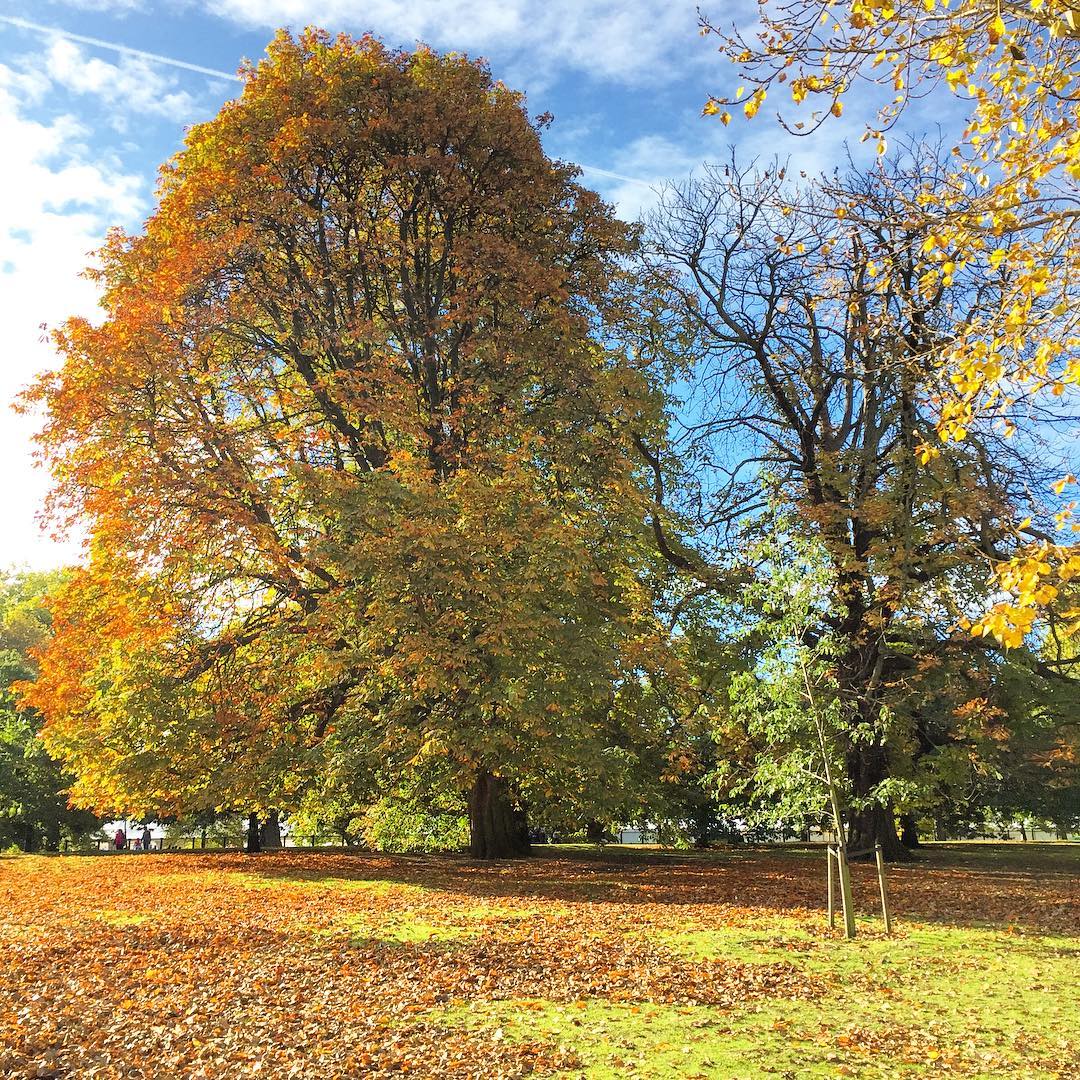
(615,175)
(157,58)
(127,50)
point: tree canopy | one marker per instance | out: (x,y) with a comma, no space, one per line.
(355,453)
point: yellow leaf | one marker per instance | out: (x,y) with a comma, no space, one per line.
(752,106)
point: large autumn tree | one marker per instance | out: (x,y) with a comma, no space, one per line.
(354,458)
(809,387)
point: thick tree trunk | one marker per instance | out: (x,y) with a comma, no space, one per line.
(270,832)
(867,768)
(497,825)
(27,836)
(254,840)
(52,835)
(875,825)
(909,831)
(595,832)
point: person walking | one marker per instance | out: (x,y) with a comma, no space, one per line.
(147,838)
(120,839)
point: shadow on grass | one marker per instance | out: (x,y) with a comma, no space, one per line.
(1029,887)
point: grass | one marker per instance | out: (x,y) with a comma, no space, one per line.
(621,964)
(968,1001)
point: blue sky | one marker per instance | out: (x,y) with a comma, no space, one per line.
(85,126)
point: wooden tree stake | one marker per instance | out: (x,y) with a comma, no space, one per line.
(884,888)
(832,911)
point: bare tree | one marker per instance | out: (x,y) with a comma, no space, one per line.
(803,330)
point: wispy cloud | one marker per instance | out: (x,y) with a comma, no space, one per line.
(134,86)
(654,161)
(633,42)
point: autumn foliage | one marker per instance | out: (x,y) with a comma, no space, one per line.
(354,454)
(1007,197)
(344,965)
(417,484)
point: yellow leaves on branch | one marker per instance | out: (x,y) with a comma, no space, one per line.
(1033,579)
(751,107)
(1005,199)
(1020,69)
(713,108)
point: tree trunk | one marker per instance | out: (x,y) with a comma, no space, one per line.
(909,831)
(52,835)
(497,825)
(1061,830)
(874,824)
(270,832)
(254,841)
(595,832)
(27,834)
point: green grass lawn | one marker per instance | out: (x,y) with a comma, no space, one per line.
(967,1001)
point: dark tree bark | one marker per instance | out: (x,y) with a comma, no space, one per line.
(595,832)
(254,840)
(52,835)
(27,834)
(875,824)
(497,824)
(270,832)
(909,831)
(1061,830)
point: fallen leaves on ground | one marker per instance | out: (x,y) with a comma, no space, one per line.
(316,964)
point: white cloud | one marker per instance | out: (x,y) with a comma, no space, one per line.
(630,41)
(112,6)
(55,204)
(134,85)
(655,160)
(642,167)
